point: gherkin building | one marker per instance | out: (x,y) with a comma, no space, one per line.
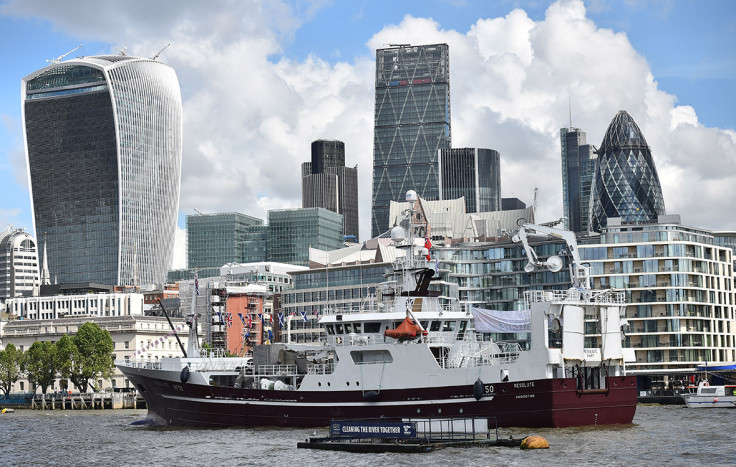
(625,182)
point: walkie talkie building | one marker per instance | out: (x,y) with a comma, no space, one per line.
(103,140)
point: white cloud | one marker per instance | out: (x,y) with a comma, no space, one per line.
(250,116)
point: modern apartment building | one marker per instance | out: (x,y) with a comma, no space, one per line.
(412,123)
(103,141)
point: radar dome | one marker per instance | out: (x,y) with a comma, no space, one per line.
(411,196)
(398,234)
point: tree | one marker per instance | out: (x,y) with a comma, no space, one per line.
(41,365)
(68,359)
(89,356)
(11,367)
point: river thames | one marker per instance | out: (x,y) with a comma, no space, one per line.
(660,435)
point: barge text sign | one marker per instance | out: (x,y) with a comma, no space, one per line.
(373,429)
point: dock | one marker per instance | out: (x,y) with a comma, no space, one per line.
(76,401)
(408,435)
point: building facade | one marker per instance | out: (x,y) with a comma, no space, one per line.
(291,232)
(327,183)
(103,141)
(578,166)
(473,173)
(91,304)
(217,239)
(19,272)
(625,182)
(679,286)
(134,337)
(412,122)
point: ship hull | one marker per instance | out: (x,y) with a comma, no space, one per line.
(536,403)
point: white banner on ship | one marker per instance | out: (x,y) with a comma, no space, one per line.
(502,321)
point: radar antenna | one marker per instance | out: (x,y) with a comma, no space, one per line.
(159,52)
(58,59)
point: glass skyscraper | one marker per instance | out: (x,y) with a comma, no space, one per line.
(578,166)
(412,122)
(474,173)
(625,183)
(291,232)
(103,140)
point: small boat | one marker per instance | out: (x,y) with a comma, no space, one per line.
(711,396)
(6,410)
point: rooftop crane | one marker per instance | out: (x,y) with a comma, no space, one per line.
(58,59)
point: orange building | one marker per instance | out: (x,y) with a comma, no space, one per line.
(246,324)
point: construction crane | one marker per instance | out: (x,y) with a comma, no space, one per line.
(159,52)
(58,59)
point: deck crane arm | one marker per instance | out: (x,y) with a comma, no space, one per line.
(579,274)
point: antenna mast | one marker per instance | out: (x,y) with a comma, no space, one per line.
(159,52)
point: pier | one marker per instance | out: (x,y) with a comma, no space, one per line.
(87,401)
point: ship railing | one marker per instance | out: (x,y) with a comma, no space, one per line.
(607,296)
(320,368)
(276,370)
(472,354)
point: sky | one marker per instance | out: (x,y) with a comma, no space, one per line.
(261,80)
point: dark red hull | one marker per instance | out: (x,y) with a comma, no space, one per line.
(538,403)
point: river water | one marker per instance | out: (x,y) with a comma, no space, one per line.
(660,435)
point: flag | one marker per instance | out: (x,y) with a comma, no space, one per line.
(270,335)
(242,318)
(293,313)
(196,283)
(427,245)
(250,322)
(436,266)
(281,320)
(260,315)
(304,315)
(229,319)
(247,333)
(220,316)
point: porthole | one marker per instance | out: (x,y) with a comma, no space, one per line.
(439,410)
(419,410)
(461,410)
(357,383)
(347,383)
(328,383)
(319,384)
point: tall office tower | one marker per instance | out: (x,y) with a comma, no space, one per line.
(214,240)
(291,232)
(327,183)
(578,165)
(625,183)
(19,274)
(474,173)
(412,122)
(103,145)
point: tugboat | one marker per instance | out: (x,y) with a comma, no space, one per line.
(416,358)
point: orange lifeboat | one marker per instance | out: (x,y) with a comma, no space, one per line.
(406,330)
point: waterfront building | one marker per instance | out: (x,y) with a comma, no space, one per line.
(679,285)
(625,182)
(578,166)
(134,337)
(19,273)
(76,304)
(472,173)
(103,143)
(327,183)
(218,238)
(412,122)
(291,232)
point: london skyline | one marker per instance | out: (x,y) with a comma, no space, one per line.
(267,81)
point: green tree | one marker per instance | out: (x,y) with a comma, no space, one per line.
(68,359)
(41,365)
(91,356)
(12,362)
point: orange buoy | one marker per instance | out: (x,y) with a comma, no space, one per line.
(534,442)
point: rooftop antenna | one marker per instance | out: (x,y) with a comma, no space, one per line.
(159,52)
(122,51)
(58,59)
(198,212)
(569,107)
